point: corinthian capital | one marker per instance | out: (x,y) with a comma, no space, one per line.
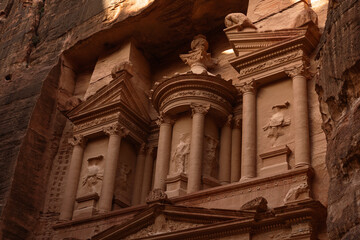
(116,129)
(237,123)
(299,70)
(248,87)
(199,108)
(228,120)
(162,118)
(77,140)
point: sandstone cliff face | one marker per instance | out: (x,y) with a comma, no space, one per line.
(338,87)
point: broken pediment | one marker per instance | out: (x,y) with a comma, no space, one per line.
(118,93)
(170,221)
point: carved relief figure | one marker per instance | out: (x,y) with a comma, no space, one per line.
(210,156)
(124,176)
(277,121)
(181,155)
(91,182)
(295,192)
(240,20)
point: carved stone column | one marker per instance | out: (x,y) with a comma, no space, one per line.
(301,115)
(196,146)
(236,150)
(163,153)
(115,133)
(248,159)
(148,170)
(73,176)
(225,152)
(139,173)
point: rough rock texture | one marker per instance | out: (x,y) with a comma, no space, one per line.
(338,87)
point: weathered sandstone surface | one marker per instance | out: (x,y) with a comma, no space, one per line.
(338,86)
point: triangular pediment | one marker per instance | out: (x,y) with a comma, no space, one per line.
(118,92)
(167,220)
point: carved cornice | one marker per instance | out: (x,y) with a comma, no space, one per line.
(77,140)
(116,129)
(199,108)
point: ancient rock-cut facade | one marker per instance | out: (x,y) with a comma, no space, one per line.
(182,120)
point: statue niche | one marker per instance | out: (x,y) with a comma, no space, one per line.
(91,182)
(277,122)
(210,164)
(179,159)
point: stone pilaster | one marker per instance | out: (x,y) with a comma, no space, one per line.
(115,133)
(236,150)
(148,170)
(196,146)
(299,75)
(225,152)
(248,159)
(73,176)
(139,173)
(163,153)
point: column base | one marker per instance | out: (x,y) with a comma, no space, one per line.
(176,185)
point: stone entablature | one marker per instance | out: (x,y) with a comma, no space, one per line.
(114,103)
(269,62)
(183,89)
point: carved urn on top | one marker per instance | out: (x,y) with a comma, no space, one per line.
(194,105)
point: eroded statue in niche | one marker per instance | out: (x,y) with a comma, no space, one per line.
(240,20)
(210,152)
(124,172)
(277,121)
(181,155)
(91,182)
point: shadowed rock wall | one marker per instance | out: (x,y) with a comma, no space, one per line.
(338,87)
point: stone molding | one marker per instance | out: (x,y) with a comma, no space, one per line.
(199,108)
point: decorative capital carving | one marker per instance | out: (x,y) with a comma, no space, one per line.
(199,108)
(248,87)
(198,59)
(300,70)
(77,140)
(150,150)
(238,20)
(162,118)
(157,195)
(142,148)
(237,123)
(116,129)
(229,120)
